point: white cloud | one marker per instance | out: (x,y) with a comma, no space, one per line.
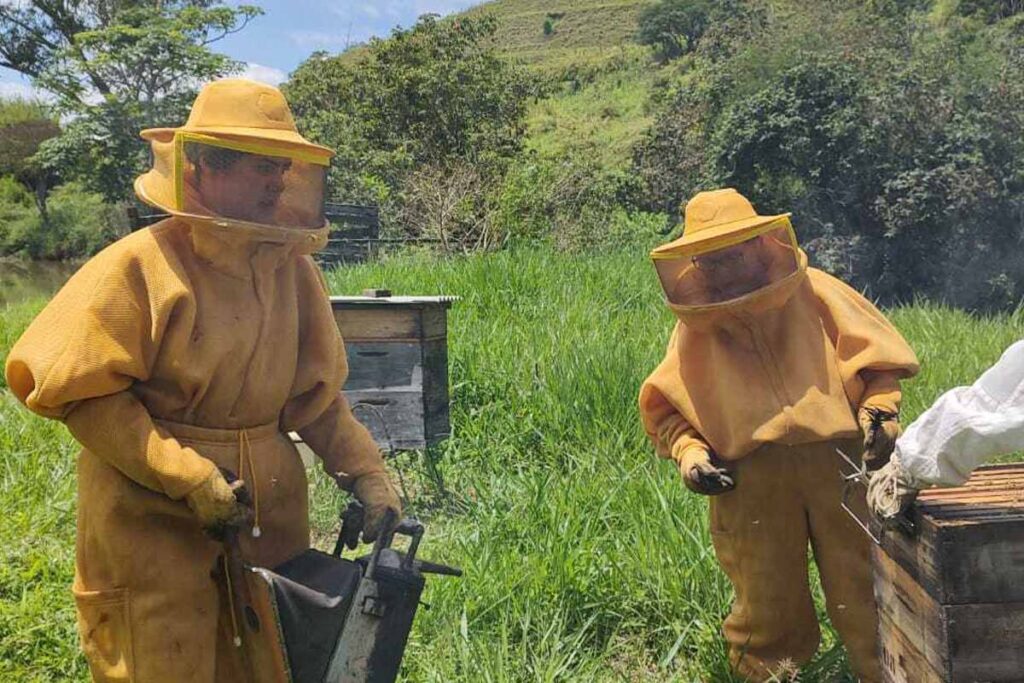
(320,40)
(372,10)
(369,10)
(264,74)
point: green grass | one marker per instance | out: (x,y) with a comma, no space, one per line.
(585,558)
(602,118)
(587,28)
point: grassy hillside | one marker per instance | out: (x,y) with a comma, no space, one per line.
(585,558)
(597,77)
(583,30)
(601,118)
(601,75)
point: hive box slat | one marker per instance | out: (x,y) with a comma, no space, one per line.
(951,597)
(901,662)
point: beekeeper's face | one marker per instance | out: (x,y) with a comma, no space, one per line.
(248,189)
(722,274)
(258,188)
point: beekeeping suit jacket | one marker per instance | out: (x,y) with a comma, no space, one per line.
(967,426)
(187,346)
(788,364)
(771,382)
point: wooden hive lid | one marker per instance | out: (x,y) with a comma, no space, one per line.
(993,494)
(393,301)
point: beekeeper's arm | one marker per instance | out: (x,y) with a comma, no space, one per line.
(967,426)
(77,362)
(872,358)
(318,410)
(675,438)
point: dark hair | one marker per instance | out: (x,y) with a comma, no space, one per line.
(217,158)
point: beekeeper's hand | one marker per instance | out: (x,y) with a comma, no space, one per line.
(881,428)
(891,491)
(378,497)
(702,473)
(215,504)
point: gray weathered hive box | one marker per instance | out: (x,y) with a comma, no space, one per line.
(397,349)
(951,598)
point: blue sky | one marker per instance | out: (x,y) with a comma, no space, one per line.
(289,30)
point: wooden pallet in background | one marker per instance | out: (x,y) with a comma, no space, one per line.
(354,236)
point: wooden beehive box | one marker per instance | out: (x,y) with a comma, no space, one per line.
(951,597)
(397,349)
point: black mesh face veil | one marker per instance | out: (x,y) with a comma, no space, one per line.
(718,273)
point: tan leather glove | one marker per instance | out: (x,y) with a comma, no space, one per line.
(703,473)
(377,495)
(215,504)
(891,491)
(881,428)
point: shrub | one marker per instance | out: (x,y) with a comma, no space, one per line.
(445,202)
(435,94)
(80,222)
(570,201)
(898,147)
(17,216)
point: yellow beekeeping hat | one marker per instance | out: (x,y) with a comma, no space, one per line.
(714,217)
(235,113)
(240,108)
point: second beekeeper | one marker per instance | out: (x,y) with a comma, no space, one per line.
(771,367)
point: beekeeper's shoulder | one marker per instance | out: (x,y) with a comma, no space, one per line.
(147,259)
(833,293)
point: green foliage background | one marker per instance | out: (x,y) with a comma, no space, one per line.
(893,131)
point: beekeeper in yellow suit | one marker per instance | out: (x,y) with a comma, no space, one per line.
(185,349)
(773,366)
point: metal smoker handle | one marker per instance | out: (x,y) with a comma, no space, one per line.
(860,476)
(383,541)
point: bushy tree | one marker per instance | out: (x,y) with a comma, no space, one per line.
(115,67)
(898,149)
(24,127)
(674,27)
(436,95)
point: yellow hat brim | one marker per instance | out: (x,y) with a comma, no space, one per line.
(287,138)
(715,236)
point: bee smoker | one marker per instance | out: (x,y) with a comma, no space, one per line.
(321,618)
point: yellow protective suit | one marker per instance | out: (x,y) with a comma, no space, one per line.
(184,347)
(771,383)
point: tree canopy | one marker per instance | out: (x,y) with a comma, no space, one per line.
(115,67)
